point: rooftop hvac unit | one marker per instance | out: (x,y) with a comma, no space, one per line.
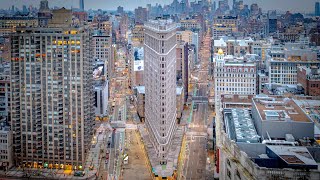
(289,138)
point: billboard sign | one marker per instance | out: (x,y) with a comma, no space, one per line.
(138,59)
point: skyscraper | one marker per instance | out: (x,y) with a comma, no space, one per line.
(272,21)
(44,13)
(160,84)
(81,5)
(141,15)
(44,5)
(52,96)
(317,9)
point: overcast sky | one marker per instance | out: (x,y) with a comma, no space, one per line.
(283,5)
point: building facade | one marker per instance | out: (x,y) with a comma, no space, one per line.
(233,76)
(160,84)
(284,71)
(5,93)
(101,98)
(309,78)
(52,96)
(224,25)
(6,147)
(140,15)
(8,25)
(137,37)
(103,51)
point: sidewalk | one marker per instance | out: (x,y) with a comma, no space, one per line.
(32,173)
(93,158)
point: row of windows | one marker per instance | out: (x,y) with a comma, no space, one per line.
(235,70)
(236,80)
(235,75)
(237,89)
(314,85)
(235,84)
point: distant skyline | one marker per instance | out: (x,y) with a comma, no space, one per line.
(280,5)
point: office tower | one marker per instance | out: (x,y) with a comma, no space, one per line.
(224,25)
(120,10)
(140,15)
(81,5)
(44,13)
(254,9)
(160,84)
(24,9)
(44,5)
(234,5)
(103,51)
(52,94)
(317,9)
(272,21)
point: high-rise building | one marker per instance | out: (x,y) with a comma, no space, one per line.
(234,5)
(160,84)
(52,112)
(272,21)
(317,9)
(24,9)
(140,15)
(9,24)
(214,6)
(44,5)
(4,92)
(103,51)
(120,10)
(224,25)
(183,67)
(44,13)
(81,5)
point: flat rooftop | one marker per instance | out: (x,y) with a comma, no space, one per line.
(236,98)
(312,109)
(293,155)
(279,109)
(240,126)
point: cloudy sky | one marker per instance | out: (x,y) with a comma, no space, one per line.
(292,5)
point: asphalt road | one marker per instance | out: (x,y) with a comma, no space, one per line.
(196,154)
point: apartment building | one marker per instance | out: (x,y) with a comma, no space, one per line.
(52,94)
